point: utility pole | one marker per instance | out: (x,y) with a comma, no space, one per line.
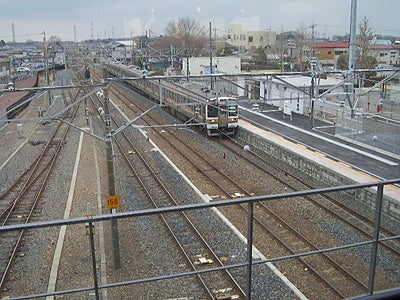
(187,62)
(186,40)
(353,27)
(172,58)
(313,37)
(46,67)
(13,33)
(211,62)
(91,30)
(111,181)
(352,52)
(312,100)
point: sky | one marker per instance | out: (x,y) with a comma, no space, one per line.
(100,19)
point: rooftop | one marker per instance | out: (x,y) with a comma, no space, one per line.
(305,81)
(7,99)
(330,44)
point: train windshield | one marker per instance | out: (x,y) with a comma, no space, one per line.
(230,106)
(212,110)
(233,110)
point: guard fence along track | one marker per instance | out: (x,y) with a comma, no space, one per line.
(19,201)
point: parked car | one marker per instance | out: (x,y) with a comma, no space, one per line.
(22,69)
(39,66)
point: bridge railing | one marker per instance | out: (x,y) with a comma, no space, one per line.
(93,291)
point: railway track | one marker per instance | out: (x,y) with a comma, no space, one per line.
(329,272)
(358,222)
(193,246)
(18,203)
(322,267)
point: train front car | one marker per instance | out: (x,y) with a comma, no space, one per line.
(221,116)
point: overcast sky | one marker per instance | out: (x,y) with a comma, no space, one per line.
(125,18)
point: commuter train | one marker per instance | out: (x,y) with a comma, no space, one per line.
(218,115)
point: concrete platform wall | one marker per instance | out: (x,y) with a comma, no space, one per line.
(318,175)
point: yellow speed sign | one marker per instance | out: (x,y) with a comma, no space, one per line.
(113,202)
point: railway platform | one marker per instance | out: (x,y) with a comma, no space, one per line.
(357,163)
(373,162)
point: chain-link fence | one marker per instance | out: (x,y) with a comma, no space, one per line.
(374,130)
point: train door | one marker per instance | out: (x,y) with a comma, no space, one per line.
(223,113)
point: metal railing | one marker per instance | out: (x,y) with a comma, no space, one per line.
(373,130)
(89,222)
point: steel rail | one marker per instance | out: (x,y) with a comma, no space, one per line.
(192,226)
(38,171)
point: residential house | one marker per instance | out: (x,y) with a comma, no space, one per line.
(328,52)
(376,41)
(386,55)
(4,65)
(123,51)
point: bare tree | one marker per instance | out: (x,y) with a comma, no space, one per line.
(187,34)
(302,36)
(281,49)
(365,58)
(55,42)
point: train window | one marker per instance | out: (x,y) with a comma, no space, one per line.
(233,110)
(212,111)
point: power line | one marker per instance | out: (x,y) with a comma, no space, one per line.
(333,26)
(374,29)
(397,31)
(20,35)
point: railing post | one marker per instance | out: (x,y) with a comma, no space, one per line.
(249,248)
(90,232)
(160,91)
(375,244)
